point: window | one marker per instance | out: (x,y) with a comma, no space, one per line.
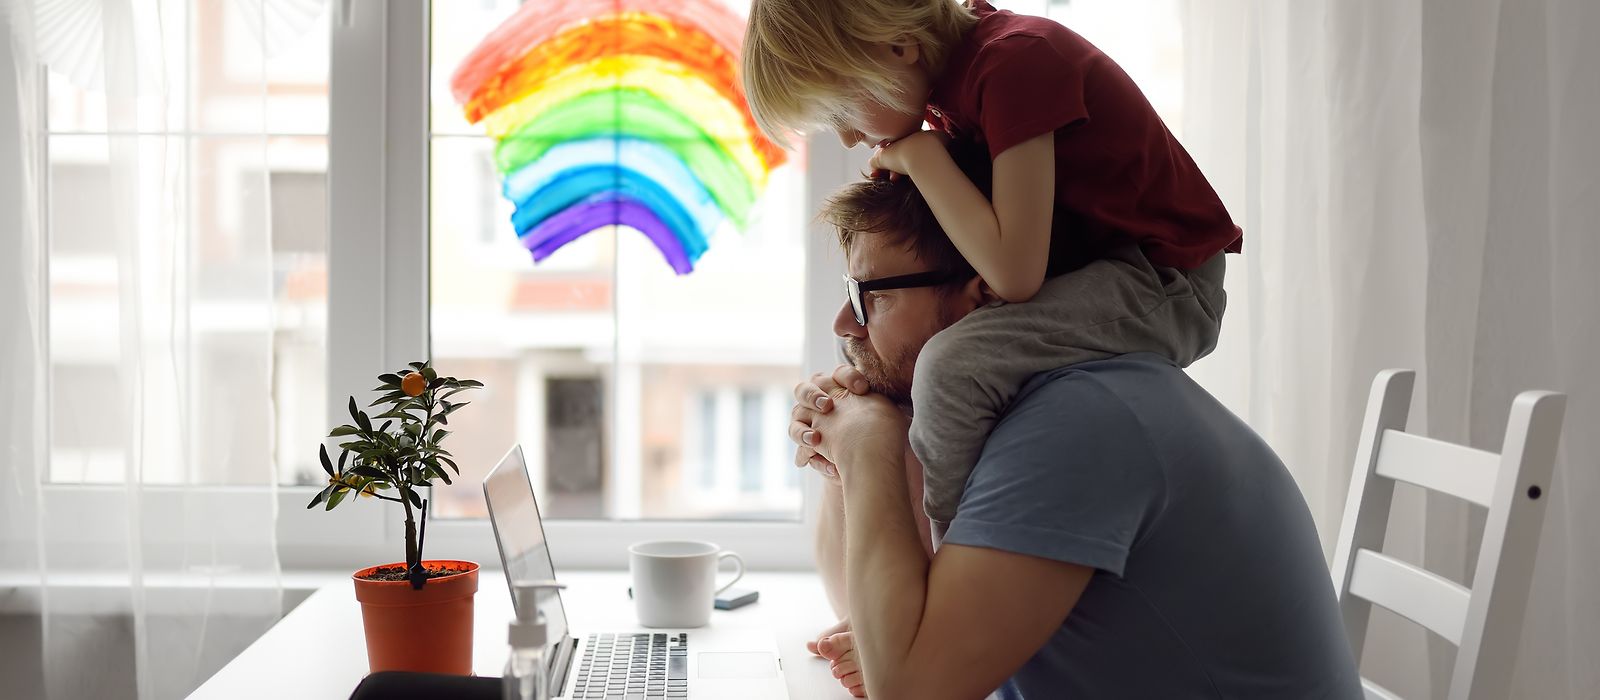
(751,460)
(592,354)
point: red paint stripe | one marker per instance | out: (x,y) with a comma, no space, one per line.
(543,37)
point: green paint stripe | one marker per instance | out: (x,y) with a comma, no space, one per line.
(634,113)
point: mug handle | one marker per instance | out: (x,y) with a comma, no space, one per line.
(738,563)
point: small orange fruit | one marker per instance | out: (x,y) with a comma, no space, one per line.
(413,384)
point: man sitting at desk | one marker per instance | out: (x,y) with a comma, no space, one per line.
(1123,535)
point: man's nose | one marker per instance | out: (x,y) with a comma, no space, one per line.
(844,323)
(849,137)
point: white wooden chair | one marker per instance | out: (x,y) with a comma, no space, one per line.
(1484,622)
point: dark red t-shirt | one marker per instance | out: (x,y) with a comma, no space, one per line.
(1120,175)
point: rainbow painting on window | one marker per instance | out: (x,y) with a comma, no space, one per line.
(619,113)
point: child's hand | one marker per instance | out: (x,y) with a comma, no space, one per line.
(894,158)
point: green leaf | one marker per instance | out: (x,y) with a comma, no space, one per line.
(338,495)
(322,456)
(452,408)
(417,365)
(442,474)
(385,427)
(391,396)
(439,434)
(416,501)
(364,421)
(319,497)
(343,430)
(342,455)
(369,472)
(442,419)
(353,411)
(452,464)
(471,383)
(389,379)
(429,374)
(453,392)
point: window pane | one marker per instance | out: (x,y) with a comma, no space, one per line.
(222,214)
(204,318)
(638,374)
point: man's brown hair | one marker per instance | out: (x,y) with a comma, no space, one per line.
(897,210)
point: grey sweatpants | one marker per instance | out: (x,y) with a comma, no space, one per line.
(968,373)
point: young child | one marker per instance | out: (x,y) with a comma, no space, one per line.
(1099,219)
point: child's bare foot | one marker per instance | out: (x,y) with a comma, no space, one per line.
(840,649)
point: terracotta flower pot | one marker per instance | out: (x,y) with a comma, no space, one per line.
(419,630)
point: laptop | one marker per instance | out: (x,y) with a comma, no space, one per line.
(622,664)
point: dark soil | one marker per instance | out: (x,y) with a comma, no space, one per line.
(398,573)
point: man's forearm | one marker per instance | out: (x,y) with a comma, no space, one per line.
(886,566)
(830,546)
(830,542)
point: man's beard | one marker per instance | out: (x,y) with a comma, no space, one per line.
(890,377)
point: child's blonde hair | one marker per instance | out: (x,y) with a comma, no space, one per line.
(807,63)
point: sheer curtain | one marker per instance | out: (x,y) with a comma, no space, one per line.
(1419,186)
(139,491)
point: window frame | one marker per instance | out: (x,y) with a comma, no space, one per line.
(378,139)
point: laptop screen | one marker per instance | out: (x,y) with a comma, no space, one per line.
(520,534)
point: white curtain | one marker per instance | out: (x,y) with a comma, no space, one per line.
(1419,182)
(139,486)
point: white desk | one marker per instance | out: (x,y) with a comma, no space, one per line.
(319,650)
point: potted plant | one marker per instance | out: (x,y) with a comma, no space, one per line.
(417,613)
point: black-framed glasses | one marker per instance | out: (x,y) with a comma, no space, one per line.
(855,288)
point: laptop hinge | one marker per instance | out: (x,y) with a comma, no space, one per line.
(566,651)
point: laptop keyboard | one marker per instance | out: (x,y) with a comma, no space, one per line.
(633,667)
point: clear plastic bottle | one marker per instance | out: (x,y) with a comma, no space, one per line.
(526,675)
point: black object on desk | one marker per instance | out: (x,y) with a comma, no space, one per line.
(406,685)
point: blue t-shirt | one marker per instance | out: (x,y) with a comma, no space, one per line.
(1209,578)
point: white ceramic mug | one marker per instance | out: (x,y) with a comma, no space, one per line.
(674,583)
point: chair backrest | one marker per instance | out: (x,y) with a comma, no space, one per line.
(1484,622)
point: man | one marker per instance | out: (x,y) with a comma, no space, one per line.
(1123,535)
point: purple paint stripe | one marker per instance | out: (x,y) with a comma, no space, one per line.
(606,209)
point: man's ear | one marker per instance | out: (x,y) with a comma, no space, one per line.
(978,292)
